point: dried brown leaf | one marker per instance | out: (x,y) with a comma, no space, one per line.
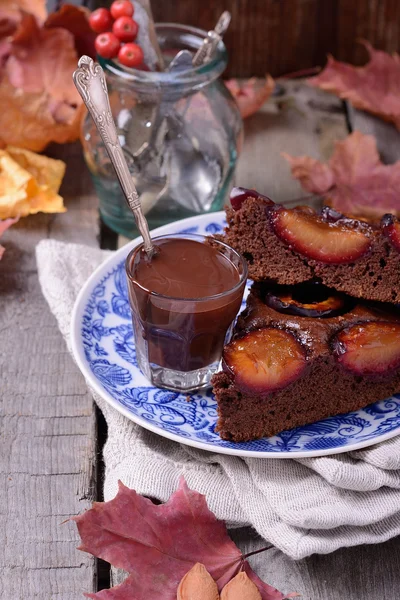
(11,13)
(38,100)
(27,122)
(75,19)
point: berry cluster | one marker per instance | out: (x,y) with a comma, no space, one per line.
(117,33)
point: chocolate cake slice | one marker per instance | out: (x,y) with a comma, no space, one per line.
(291,246)
(301,354)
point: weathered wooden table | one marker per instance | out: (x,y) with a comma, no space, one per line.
(51,433)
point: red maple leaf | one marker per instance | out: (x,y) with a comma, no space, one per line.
(250,95)
(158,544)
(374,87)
(354,181)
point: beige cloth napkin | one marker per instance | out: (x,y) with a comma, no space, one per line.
(305,506)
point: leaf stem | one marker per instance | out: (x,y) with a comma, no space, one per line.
(257,551)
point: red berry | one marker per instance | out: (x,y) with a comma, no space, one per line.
(101,20)
(125,29)
(131,55)
(122,8)
(107,45)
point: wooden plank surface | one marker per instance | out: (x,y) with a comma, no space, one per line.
(47,443)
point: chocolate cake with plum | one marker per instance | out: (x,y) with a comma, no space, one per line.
(290,246)
(320,335)
(303,353)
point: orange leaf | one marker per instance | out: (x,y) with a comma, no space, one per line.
(374,87)
(251,95)
(11,13)
(26,120)
(42,61)
(75,19)
(38,100)
(354,181)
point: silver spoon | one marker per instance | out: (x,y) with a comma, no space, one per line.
(181,61)
(91,84)
(210,43)
(144,16)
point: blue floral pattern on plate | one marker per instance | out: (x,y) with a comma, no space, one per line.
(103,344)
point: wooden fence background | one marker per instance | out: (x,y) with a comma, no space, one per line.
(282,36)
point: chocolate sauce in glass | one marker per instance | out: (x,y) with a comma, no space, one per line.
(185,268)
(184,327)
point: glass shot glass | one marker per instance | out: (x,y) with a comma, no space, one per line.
(179,341)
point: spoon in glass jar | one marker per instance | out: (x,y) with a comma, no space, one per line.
(206,51)
(91,84)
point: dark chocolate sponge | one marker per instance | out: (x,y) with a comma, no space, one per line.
(326,387)
(256,230)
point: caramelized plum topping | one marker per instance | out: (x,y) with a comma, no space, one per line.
(371,348)
(309,234)
(264,360)
(330,215)
(391,228)
(312,300)
(239,195)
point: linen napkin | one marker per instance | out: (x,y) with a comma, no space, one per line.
(303,506)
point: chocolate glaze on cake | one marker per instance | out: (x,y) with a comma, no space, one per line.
(325,387)
(257,229)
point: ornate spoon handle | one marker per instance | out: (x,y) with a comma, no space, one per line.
(207,49)
(90,82)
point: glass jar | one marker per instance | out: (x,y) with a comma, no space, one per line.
(181,133)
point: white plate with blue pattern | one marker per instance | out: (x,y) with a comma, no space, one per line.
(104,348)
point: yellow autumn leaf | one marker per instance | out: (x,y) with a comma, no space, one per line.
(29,183)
